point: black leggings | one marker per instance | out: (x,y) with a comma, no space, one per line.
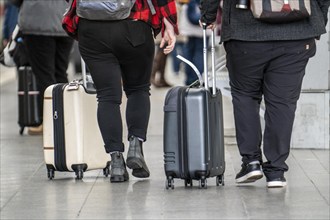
(119,54)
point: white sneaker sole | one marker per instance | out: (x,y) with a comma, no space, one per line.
(276,184)
(250,177)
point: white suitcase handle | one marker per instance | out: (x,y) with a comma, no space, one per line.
(87,79)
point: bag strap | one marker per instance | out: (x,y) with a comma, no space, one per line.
(151,6)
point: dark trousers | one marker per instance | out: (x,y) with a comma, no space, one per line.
(49,60)
(119,54)
(274,71)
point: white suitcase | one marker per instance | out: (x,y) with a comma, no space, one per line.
(71,136)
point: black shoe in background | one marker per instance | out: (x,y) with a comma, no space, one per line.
(249,173)
(135,159)
(118,172)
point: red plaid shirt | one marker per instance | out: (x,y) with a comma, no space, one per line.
(141,11)
(164,9)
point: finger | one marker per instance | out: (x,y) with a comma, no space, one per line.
(162,42)
(211,26)
(168,49)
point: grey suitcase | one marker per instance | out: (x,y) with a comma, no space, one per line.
(193,131)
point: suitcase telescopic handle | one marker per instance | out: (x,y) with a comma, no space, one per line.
(83,72)
(205,59)
(214,86)
(87,80)
(206,75)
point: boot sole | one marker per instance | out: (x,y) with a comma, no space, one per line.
(137,166)
(116,179)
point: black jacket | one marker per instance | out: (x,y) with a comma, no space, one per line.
(240,24)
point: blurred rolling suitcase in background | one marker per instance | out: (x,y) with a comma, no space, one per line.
(193,130)
(71,136)
(28,98)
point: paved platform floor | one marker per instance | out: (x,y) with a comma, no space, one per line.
(26,192)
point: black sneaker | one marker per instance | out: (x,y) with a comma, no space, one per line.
(118,172)
(135,159)
(249,173)
(276,182)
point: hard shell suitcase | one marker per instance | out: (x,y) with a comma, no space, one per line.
(193,131)
(72,139)
(28,99)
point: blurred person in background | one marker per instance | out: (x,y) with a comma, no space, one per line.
(193,48)
(180,42)
(48,46)
(9,22)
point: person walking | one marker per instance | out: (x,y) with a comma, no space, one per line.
(47,44)
(265,60)
(119,55)
(9,22)
(193,47)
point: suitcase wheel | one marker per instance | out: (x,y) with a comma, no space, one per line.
(220,180)
(50,173)
(79,174)
(169,183)
(203,183)
(188,182)
(106,171)
(21,130)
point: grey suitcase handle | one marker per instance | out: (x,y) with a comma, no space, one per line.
(200,78)
(206,75)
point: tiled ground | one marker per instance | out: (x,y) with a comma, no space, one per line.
(26,193)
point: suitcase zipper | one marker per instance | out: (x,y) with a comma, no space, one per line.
(183,134)
(58,123)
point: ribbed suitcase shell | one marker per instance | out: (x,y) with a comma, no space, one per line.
(193,128)
(193,135)
(83,146)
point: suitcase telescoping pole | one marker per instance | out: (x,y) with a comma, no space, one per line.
(83,72)
(87,79)
(214,89)
(206,80)
(206,75)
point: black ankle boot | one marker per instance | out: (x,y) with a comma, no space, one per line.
(118,172)
(135,158)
